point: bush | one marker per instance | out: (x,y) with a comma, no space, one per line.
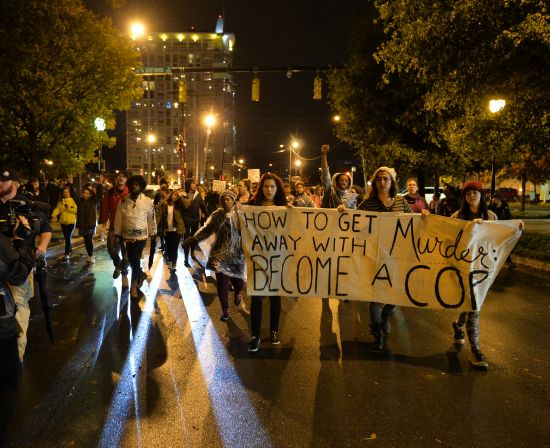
(533,245)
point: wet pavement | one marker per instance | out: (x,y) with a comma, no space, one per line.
(165,371)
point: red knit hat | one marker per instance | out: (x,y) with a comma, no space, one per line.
(472,185)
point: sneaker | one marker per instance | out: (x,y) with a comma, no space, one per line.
(186,263)
(225,316)
(124,281)
(67,257)
(238,299)
(479,361)
(275,338)
(254,344)
(458,334)
(512,266)
(116,274)
(379,337)
(91,260)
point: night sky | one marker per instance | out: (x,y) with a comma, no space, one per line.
(287,33)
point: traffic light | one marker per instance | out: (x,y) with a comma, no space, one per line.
(317,88)
(255,89)
(182,91)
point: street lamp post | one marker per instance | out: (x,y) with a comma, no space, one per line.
(209,122)
(151,140)
(495,106)
(100,126)
(295,144)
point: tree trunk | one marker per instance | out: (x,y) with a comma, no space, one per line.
(523,186)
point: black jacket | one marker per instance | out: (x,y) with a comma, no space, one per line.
(192,215)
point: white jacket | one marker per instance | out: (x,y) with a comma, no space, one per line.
(135,220)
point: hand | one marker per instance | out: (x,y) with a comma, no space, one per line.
(521,225)
(425,212)
(341,208)
(39,253)
(478,220)
(325,149)
(289,205)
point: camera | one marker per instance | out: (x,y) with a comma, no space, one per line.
(8,220)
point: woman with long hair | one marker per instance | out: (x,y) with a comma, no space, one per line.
(474,209)
(270,193)
(226,256)
(171,224)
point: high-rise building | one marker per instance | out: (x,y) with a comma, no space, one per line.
(185,120)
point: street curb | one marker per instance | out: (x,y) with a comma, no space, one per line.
(531,263)
(58,250)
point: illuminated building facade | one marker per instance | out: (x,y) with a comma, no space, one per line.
(185,120)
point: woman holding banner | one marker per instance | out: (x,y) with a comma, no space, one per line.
(270,193)
(473,209)
(383,197)
(226,256)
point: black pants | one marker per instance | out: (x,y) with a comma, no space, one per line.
(190,229)
(9,382)
(89,243)
(172,240)
(115,244)
(222,285)
(256,314)
(68,230)
(135,250)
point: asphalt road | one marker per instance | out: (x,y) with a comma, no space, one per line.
(168,373)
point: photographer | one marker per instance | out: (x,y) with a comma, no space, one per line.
(16,262)
(22,293)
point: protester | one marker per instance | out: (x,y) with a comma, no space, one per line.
(451,203)
(473,209)
(416,202)
(171,225)
(337,189)
(87,221)
(301,199)
(244,191)
(191,216)
(288,193)
(66,210)
(226,256)
(115,244)
(501,208)
(383,197)
(317,196)
(270,193)
(135,222)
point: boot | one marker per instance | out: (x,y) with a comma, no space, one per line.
(379,336)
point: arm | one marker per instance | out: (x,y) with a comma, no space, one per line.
(151,222)
(205,231)
(325,172)
(202,206)
(118,220)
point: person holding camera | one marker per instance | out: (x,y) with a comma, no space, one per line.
(16,263)
(22,293)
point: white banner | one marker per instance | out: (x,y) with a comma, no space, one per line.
(398,258)
(218,185)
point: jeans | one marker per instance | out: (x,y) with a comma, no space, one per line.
(471,319)
(21,296)
(171,241)
(222,285)
(135,250)
(89,243)
(256,314)
(115,244)
(68,230)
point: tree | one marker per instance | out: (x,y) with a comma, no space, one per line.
(467,52)
(62,68)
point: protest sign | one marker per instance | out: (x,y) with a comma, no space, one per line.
(397,258)
(218,185)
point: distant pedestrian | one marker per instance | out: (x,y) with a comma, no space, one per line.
(301,199)
(67,210)
(87,221)
(452,202)
(171,225)
(244,191)
(192,216)
(226,256)
(317,196)
(337,189)
(435,203)
(135,222)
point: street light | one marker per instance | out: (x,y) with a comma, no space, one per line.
(336,118)
(151,140)
(495,106)
(294,144)
(137,30)
(209,121)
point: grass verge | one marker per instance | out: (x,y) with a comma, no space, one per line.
(533,245)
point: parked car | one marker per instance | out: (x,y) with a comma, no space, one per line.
(508,194)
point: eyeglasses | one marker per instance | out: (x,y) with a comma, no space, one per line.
(382,179)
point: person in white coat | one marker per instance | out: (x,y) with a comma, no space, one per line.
(135,223)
